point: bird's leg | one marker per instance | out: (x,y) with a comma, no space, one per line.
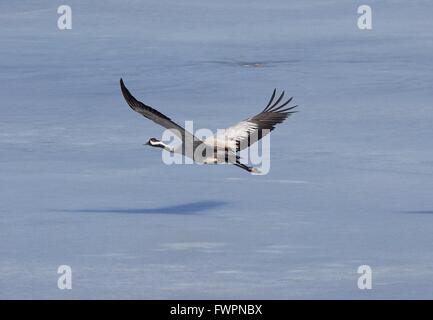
(245,167)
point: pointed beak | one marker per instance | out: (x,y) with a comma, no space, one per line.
(146,144)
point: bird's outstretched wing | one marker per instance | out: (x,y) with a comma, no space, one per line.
(249,131)
(158,117)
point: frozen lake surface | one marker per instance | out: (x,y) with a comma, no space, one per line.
(351,173)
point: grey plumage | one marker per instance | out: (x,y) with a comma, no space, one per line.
(219,148)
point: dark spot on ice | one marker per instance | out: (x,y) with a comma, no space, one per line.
(189,208)
(419,212)
(252,64)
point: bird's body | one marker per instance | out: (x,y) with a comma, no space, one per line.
(222,147)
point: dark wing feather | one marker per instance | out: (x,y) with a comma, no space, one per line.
(249,131)
(156,116)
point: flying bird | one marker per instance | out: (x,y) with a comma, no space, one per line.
(221,147)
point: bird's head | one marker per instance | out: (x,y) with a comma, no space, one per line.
(153,142)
